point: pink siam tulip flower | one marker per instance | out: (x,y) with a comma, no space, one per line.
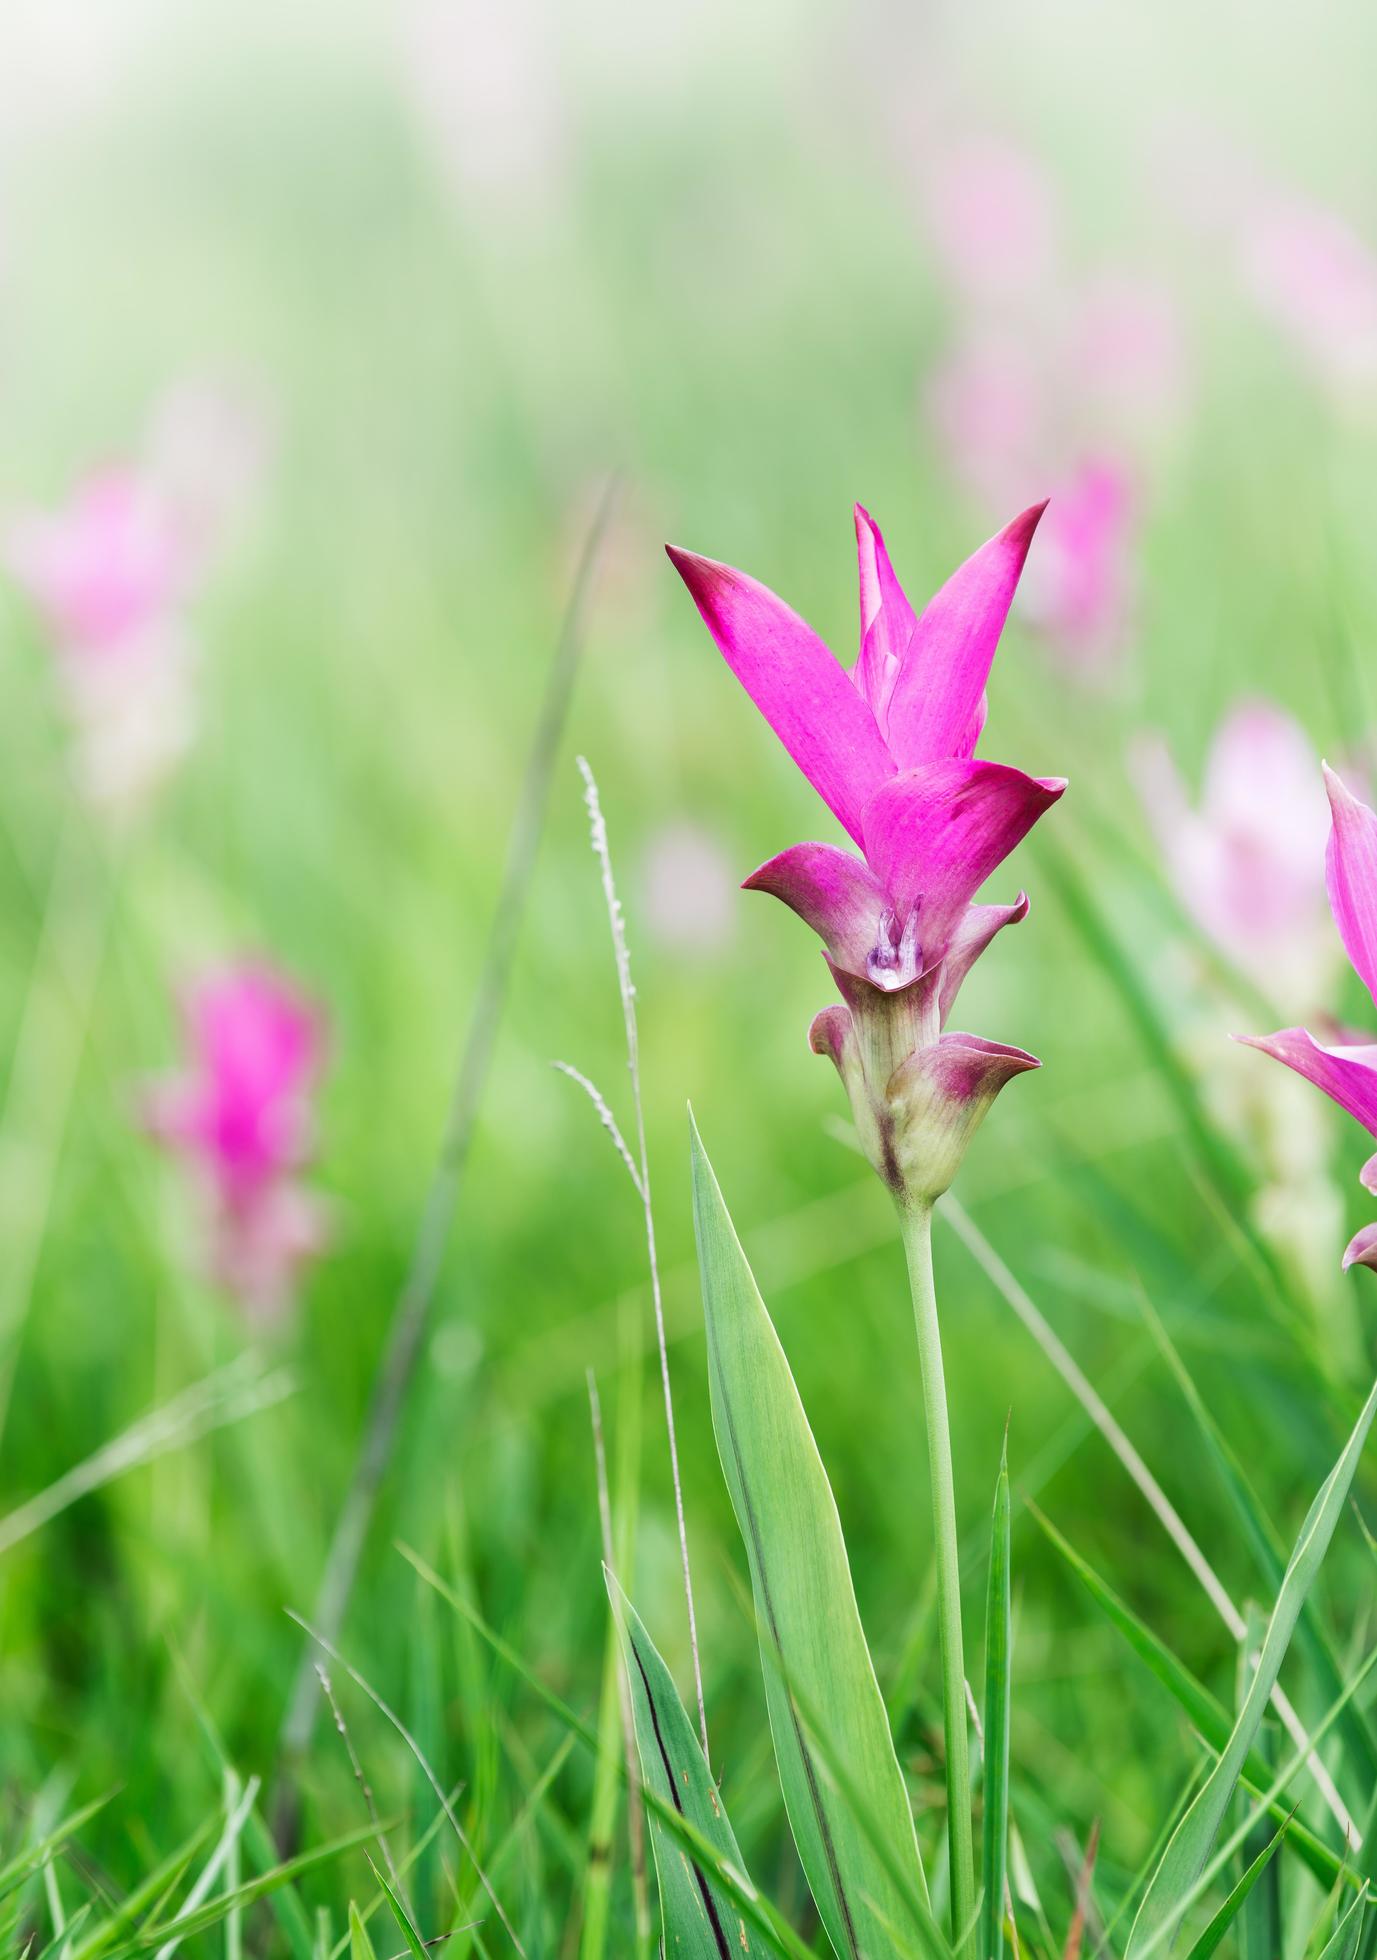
(889,746)
(240,1116)
(1245,863)
(1318,280)
(1346,1069)
(1083,593)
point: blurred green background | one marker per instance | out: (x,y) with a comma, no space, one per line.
(476,260)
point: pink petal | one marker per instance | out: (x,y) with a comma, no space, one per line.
(1361,1249)
(976,928)
(1350,869)
(833,892)
(933,836)
(887,619)
(1348,1075)
(938,705)
(941,1095)
(806,697)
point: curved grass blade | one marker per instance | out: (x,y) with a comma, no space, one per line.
(812,1645)
(998,1647)
(1207,1716)
(1163,1903)
(700,1920)
(1233,1905)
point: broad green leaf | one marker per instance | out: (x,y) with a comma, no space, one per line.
(1232,1906)
(700,1920)
(1159,1913)
(1207,1716)
(819,1679)
(998,1645)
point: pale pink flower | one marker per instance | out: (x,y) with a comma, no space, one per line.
(687,885)
(987,405)
(240,1115)
(1124,361)
(1082,588)
(1248,862)
(105,568)
(993,218)
(1317,279)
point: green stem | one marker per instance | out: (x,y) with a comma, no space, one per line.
(917,1231)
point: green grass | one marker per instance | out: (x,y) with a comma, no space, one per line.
(727,299)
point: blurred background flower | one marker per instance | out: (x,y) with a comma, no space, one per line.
(240,1115)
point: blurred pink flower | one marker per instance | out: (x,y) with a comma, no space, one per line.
(1246,863)
(1124,357)
(240,1115)
(1317,279)
(993,218)
(105,568)
(112,575)
(687,887)
(1082,587)
(987,404)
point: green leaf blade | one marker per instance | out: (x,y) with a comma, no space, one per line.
(813,1649)
(701,1921)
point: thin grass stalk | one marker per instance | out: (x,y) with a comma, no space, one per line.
(917,1235)
(640,1175)
(451,1814)
(411,1314)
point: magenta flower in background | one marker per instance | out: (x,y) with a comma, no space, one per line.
(240,1115)
(1347,1069)
(889,746)
(1245,862)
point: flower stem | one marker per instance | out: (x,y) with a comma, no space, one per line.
(917,1232)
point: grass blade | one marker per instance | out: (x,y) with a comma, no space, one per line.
(1159,1913)
(1233,1905)
(700,1921)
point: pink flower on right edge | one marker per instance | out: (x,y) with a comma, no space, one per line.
(1347,1069)
(240,1115)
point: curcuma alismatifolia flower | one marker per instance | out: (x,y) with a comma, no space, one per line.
(889,746)
(1346,1069)
(240,1115)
